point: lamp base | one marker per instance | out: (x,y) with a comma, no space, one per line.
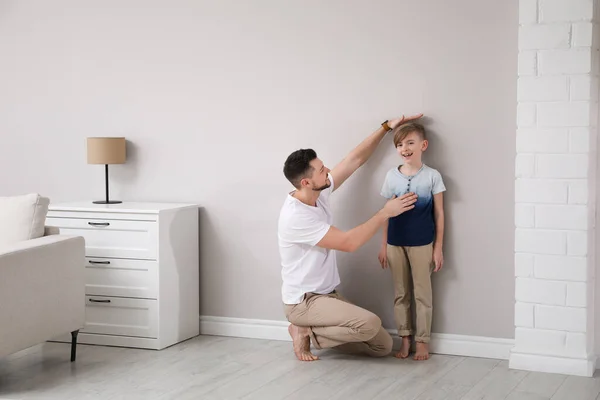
(107,202)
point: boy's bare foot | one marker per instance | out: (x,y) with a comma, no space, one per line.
(422,352)
(405,348)
(301,342)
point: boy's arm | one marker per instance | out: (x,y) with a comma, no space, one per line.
(361,153)
(382,257)
(384,236)
(438,215)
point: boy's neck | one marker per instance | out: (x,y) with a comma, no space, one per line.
(411,169)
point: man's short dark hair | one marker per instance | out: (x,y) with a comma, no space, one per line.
(297,166)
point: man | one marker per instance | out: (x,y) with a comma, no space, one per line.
(307,244)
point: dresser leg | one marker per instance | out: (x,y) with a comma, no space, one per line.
(74,344)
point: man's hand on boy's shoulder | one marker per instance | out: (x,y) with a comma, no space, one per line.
(392,123)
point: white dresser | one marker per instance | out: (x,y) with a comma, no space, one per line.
(142,271)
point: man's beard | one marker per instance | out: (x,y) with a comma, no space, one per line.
(325,186)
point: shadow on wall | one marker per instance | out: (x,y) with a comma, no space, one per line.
(215,280)
(435,158)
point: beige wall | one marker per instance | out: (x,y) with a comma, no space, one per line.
(213,96)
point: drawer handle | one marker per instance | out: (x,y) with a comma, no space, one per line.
(98,262)
(99,223)
(99,301)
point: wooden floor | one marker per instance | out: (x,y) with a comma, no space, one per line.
(209,367)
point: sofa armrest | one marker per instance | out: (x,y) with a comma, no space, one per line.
(42,290)
(51,230)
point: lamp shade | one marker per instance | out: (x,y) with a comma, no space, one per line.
(106,150)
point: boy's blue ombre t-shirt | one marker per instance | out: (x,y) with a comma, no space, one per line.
(415,227)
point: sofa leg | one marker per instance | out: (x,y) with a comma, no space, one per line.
(74,345)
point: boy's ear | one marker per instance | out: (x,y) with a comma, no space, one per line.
(425,144)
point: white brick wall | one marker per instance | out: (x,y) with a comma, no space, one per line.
(557,94)
(578,192)
(543,88)
(541,291)
(563,114)
(524,315)
(582,34)
(572,61)
(580,87)
(576,294)
(560,318)
(570,217)
(579,140)
(539,241)
(527,63)
(565,10)
(577,244)
(544,36)
(524,265)
(525,216)
(561,268)
(558,343)
(565,166)
(540,340)
(525,165)
(526,113)
(528,11)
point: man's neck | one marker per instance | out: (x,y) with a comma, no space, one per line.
(411,169)
(308,198)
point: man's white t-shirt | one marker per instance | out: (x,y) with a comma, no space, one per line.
(305,267)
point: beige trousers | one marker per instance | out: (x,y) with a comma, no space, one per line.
(335,322)
(411,271)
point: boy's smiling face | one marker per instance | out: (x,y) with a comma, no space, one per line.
(411,148)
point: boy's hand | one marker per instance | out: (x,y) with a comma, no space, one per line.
(383,257)
(392,123)
(438,258)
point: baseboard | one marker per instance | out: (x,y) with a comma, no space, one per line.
(441,343)
(557,365)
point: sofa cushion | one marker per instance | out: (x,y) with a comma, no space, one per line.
(22,217)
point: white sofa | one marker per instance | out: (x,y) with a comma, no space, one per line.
(42,289)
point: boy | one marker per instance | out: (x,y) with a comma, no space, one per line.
(412,241)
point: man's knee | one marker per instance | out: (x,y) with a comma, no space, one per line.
(388,343)
(381,345)
(370,326)
(380,341)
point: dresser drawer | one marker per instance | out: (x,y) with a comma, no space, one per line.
(121,277)
(119,316)
(112,238)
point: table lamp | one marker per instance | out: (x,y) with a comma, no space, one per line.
(106,150)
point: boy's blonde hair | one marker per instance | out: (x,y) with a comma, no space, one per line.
(402,131)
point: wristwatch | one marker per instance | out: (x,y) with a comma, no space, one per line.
(386,126)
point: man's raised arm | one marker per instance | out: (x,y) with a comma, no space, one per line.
(361,153)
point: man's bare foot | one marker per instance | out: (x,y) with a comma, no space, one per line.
(301,342)
(422,352)
(405,348)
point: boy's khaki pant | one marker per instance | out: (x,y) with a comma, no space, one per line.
(335,322)
(411,271)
